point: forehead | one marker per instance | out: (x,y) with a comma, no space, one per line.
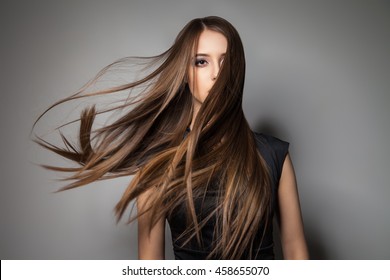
(212,42)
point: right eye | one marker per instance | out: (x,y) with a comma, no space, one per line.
(200,62)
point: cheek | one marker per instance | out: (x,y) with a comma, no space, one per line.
(190,79)
(193,83)
(199,83)
(203,82)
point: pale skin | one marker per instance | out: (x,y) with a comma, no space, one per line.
(201,77)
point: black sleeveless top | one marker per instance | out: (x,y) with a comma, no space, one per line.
(273,151)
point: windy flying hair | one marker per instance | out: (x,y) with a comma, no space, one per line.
(148,141)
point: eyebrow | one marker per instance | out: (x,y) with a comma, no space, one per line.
(207,55)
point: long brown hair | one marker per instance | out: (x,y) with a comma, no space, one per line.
(147,142)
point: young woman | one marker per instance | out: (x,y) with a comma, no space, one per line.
(196,163)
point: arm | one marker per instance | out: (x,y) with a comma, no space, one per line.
(150,247)
(291,224)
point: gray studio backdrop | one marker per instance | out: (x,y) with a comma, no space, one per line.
(317,76)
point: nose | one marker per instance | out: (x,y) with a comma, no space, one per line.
(215,72)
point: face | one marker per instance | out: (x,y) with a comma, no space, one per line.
(204,69)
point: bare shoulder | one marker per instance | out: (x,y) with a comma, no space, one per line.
(291,223)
